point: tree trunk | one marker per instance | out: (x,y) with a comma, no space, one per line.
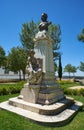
(69,75)
(19,75)
(23,75)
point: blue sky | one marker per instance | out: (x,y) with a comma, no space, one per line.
(68,13)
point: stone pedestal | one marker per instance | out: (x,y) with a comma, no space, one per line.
(30,93)
(44,50)
(49,89)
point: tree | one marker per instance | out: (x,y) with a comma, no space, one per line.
(27,35)
(81,36)
(17,60)
(2,56)
(74,70)
(60,68)
(81,67)
(70,69)
(55,33)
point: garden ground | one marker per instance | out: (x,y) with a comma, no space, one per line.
(11,121)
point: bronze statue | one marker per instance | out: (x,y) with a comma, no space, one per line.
(44,24)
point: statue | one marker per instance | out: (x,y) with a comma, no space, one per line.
(33,69)
(44,24)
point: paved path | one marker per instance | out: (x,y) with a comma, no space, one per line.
(77,87)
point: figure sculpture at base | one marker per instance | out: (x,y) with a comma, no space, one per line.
(33,69)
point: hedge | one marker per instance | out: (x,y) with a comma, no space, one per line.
(6,89)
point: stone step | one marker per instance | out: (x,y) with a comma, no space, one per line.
(57,120)
(50,96)
(49,86)
(48,100)
(42,109)
(50,90)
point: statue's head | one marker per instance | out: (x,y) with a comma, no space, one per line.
(44,17)
(44,24)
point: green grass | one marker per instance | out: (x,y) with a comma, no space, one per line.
(67,84)
(11,121)
(15,84)
(6,97)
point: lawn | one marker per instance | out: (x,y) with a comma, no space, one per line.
(11,121)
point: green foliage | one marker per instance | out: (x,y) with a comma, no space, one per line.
(27,35)
(77,92)
(81,67)
(74,69)
(81,36)
(17,59)
(82,92)
(65,85)
(6,97)
(71,92)
(60,68)
(2,56)
(6,89)
(55,33)
(70,69)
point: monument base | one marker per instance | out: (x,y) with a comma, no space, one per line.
(46,93)
(57,114)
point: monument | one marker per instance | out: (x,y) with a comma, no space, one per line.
(41,98)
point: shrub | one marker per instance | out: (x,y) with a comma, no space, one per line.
(82,92)
(6,89)
(79,92)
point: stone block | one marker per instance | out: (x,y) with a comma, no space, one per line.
(30,93)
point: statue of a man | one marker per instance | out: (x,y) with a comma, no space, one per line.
(44,24)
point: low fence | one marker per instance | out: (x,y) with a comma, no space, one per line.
(14,76)
(73,77)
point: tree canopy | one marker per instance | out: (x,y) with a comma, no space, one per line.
(81,36)
(70,69)
(27,34)
(60,68)
(81,67)
(55,33)
(2,56)
(17,59)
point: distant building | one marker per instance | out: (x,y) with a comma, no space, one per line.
(5,74)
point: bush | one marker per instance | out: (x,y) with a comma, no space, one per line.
(79,92)
(6,89)
(13,90)
(65,84)
(82,92)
